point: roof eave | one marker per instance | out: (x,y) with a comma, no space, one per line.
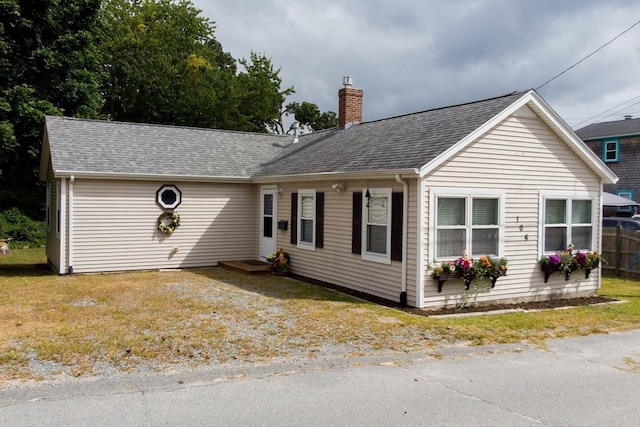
(369,174)
(150,177)
(550,117)
(622,135)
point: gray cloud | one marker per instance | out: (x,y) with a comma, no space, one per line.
(410,56)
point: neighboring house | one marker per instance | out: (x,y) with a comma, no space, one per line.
(366,206)
(617,143)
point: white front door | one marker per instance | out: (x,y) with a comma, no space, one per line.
(267,221)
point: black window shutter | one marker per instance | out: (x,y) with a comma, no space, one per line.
(356,224)
(294,218)
(396,226)
(319,220)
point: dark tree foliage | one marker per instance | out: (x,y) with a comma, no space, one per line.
(153,61)
(165,66)
(49,64)
(309,115)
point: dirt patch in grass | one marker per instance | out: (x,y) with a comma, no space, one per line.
(119,324)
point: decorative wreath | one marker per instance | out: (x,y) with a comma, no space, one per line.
(168,222)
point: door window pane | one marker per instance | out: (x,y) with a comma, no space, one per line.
(267,226)
(268,204)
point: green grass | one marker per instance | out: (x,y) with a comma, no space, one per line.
(157,320)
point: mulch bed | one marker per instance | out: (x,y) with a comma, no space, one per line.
(532,305)
(482,308)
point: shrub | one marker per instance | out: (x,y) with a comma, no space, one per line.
(21,228)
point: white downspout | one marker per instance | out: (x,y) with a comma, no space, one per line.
(62,224)
(405,224)
(71,179)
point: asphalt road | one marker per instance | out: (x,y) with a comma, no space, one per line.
(585,381)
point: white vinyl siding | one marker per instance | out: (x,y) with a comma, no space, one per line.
(53,239)
(334,263)
(520,157)
(115,226)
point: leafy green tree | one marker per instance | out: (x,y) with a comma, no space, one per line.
(261,97)
(164,64)
(49,64)
(309,115)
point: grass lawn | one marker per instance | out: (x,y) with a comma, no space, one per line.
(90,324)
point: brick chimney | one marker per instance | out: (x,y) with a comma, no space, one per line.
(349,104)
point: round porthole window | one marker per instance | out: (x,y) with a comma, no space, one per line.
(169,197)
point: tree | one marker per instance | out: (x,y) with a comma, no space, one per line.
(309,115)
(260,97)
(49,64)
(164,65)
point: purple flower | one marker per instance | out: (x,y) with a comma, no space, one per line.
(581,258)
(555,259)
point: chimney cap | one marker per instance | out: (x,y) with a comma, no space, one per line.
(628,117)
(347,81)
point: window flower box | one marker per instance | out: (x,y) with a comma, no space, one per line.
(568,262)
(469,270)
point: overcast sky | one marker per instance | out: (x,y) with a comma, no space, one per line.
(413,55)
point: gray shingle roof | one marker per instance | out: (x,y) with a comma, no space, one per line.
(106,147)
(617,128)
(403,142)
(398,143)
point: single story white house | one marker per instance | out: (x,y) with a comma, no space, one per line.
(368,206)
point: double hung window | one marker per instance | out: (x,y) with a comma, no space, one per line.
(465,222)
(567,221)
(611,150)
(307,218)
(377,225)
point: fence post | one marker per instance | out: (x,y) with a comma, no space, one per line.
(618,250)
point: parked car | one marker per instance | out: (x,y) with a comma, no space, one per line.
(629,223)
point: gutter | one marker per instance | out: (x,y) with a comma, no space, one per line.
(405,224)
(151,177)
(246,179)
(323,176)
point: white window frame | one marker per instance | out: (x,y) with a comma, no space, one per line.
(169,188)
(605,150)
(374,256)
(569,197)
(302,244)
(468,194)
